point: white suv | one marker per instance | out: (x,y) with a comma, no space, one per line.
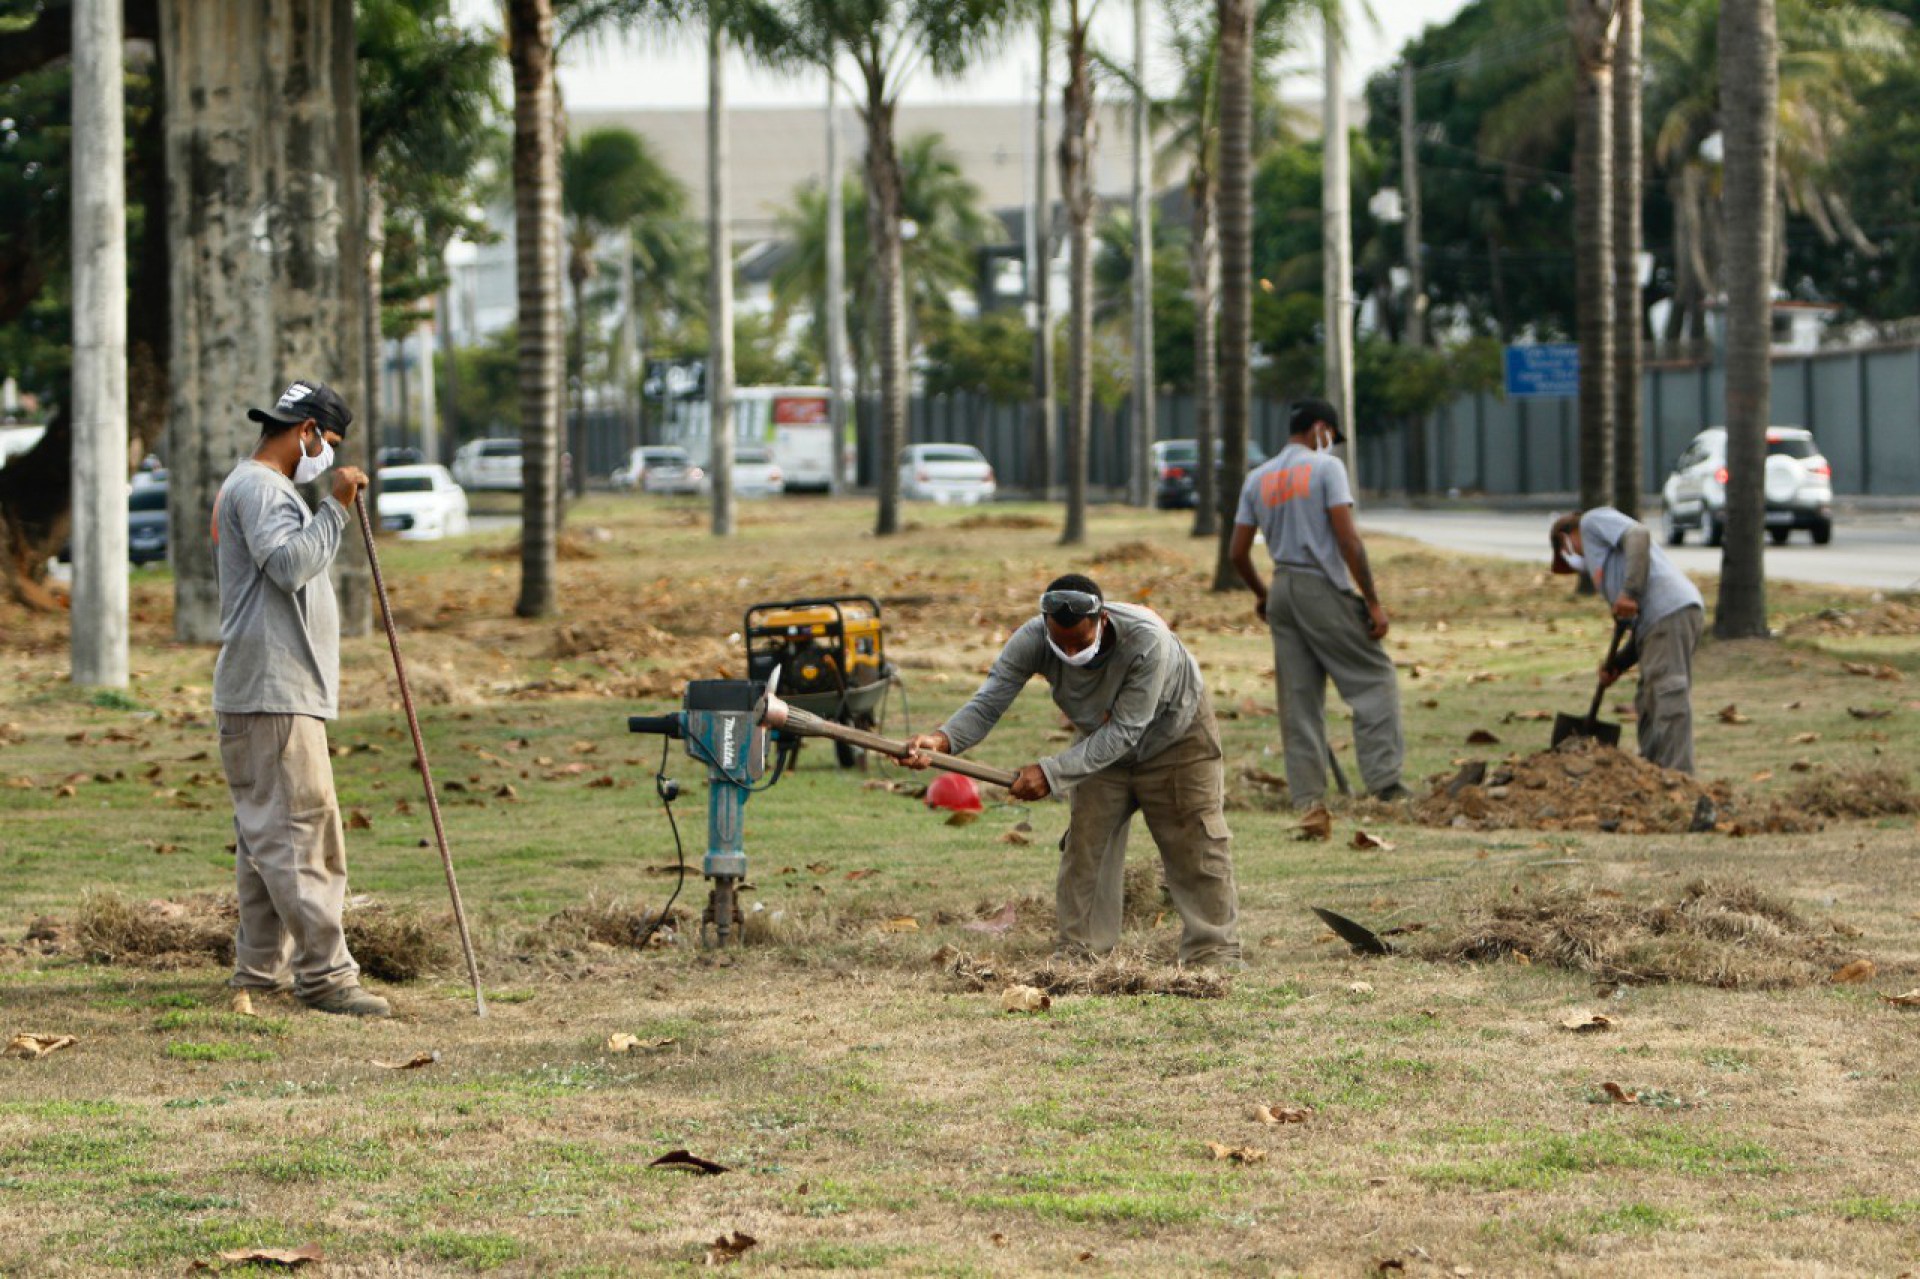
(1799,488)
(488,465)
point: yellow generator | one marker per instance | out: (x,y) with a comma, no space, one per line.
(831,657)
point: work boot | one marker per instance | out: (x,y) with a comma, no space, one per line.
(1393,794)
(350,1001)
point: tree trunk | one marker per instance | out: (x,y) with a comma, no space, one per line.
(1236,265)
(719,283)
(1593,23)
(1336,237)
(579,269)
(1041,424)
(98,632)
(261,116)
(1410,179)
(883,233)
(1629,322)
(1140,470)
(624,350)
(1203,262)
(373,344)
(836,299)
(1076,188)
(1750,86)
(536,191)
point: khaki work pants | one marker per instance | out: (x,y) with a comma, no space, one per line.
(290,855)
(1664,704)
(1320,631)
(1180,792)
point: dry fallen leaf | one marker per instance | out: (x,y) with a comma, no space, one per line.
(686,1159)
(1730,714)
(622,1042)
(243,1004)
(997,1239)
(963,817)
(1909,1000)
(1481,737)
(1025,999)
(414,1062)
(1316,824)
(1584,1022)
(32,1046)
(1764,775)
(1618,1095)
(1858,971)
(1236,1154)
(900,924)
(1805,739)
(1359,988)
(1866,712)
(1282,1114)
(1000,921)
(1016,837)
(291,1258)
(1368,840)
(358,820)
(729,1248)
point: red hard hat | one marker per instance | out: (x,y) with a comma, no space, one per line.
(951,790)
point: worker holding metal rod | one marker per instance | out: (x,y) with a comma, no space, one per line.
(1146,741)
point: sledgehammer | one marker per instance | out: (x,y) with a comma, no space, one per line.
(775,713)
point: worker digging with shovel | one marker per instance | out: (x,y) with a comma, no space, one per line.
(1651,598)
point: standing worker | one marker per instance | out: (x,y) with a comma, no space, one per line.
(1301,501)
(275,684)
(1146,741)
(1648,591)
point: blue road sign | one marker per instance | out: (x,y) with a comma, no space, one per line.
(1543,371)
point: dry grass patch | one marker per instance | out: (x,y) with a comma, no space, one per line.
(110,929)
(1120,973)
(1724,935)
(610,922)
(1859,792)
(397,944)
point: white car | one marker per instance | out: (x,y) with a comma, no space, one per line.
(756,474)
(945,473)
(631,473)
(673,474)
(421,502)
(1799,488)
(488,465)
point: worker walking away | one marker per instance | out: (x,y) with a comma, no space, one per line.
(1648,591)
(1145,740)
(1301,501)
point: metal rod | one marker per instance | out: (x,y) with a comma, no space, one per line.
(420,754)
(806,724)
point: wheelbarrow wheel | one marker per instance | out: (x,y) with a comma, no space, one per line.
(849,756)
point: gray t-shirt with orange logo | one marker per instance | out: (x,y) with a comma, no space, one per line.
(1287,498)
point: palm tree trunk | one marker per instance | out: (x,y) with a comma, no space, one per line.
(836,290)
(1140,470)
(1041,428)
(536,187)
(883,233)
(1629,322)
(577,379)
(1750,87)
(720,282)
(1203,262)
(1594,23)
(1236,264)
(98,633)
(1336,239)
(1076,189)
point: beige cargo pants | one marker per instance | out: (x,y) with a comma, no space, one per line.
(290,855)
(1321,631)
(1180,792)
(1663,706)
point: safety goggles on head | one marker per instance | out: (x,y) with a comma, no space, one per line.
(1070,603)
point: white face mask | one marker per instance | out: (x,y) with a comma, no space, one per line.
(310,467)
(1084,656)
(1575,561)
(1326,444)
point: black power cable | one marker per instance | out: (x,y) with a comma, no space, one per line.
(668,790)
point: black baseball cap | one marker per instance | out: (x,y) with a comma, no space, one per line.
(305,399)
(1307,412)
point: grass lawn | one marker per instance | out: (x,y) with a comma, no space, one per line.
(874,1112)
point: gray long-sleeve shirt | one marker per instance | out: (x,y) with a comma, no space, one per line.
(1132,702)
(279,624)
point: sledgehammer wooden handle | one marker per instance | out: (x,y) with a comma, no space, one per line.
(806,724)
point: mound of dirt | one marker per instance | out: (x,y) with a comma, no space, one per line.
(587,638)
(1581,785)
(1863,792)
(568,546)
(1115,974)
(1731,936)
(1004,521)
(398,945)
(1889,617)
(110,929)
(607,923)
(1138,553)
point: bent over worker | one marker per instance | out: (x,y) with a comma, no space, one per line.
(1648,592)
(275,684)
(1146,741)
(1322,626)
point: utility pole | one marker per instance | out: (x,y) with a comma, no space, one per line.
(1139,480)
(1040,446)
(720,282)
(99,614)
(1336,229)
(836,288)
(1410,179)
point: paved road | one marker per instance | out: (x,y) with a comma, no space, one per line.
(1877,550)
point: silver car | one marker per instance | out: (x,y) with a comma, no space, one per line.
(946,473)
(1799,488)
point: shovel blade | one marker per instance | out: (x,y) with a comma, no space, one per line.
(1565,726)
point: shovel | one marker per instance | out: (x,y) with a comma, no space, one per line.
(1565,726)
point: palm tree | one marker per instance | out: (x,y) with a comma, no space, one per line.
(1629,159)
(1140,489)
(1236,257)
(536,197)
(1750,80)
(1594,24)
(885,41)
(1076,192)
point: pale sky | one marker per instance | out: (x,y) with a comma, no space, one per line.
(635,74)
